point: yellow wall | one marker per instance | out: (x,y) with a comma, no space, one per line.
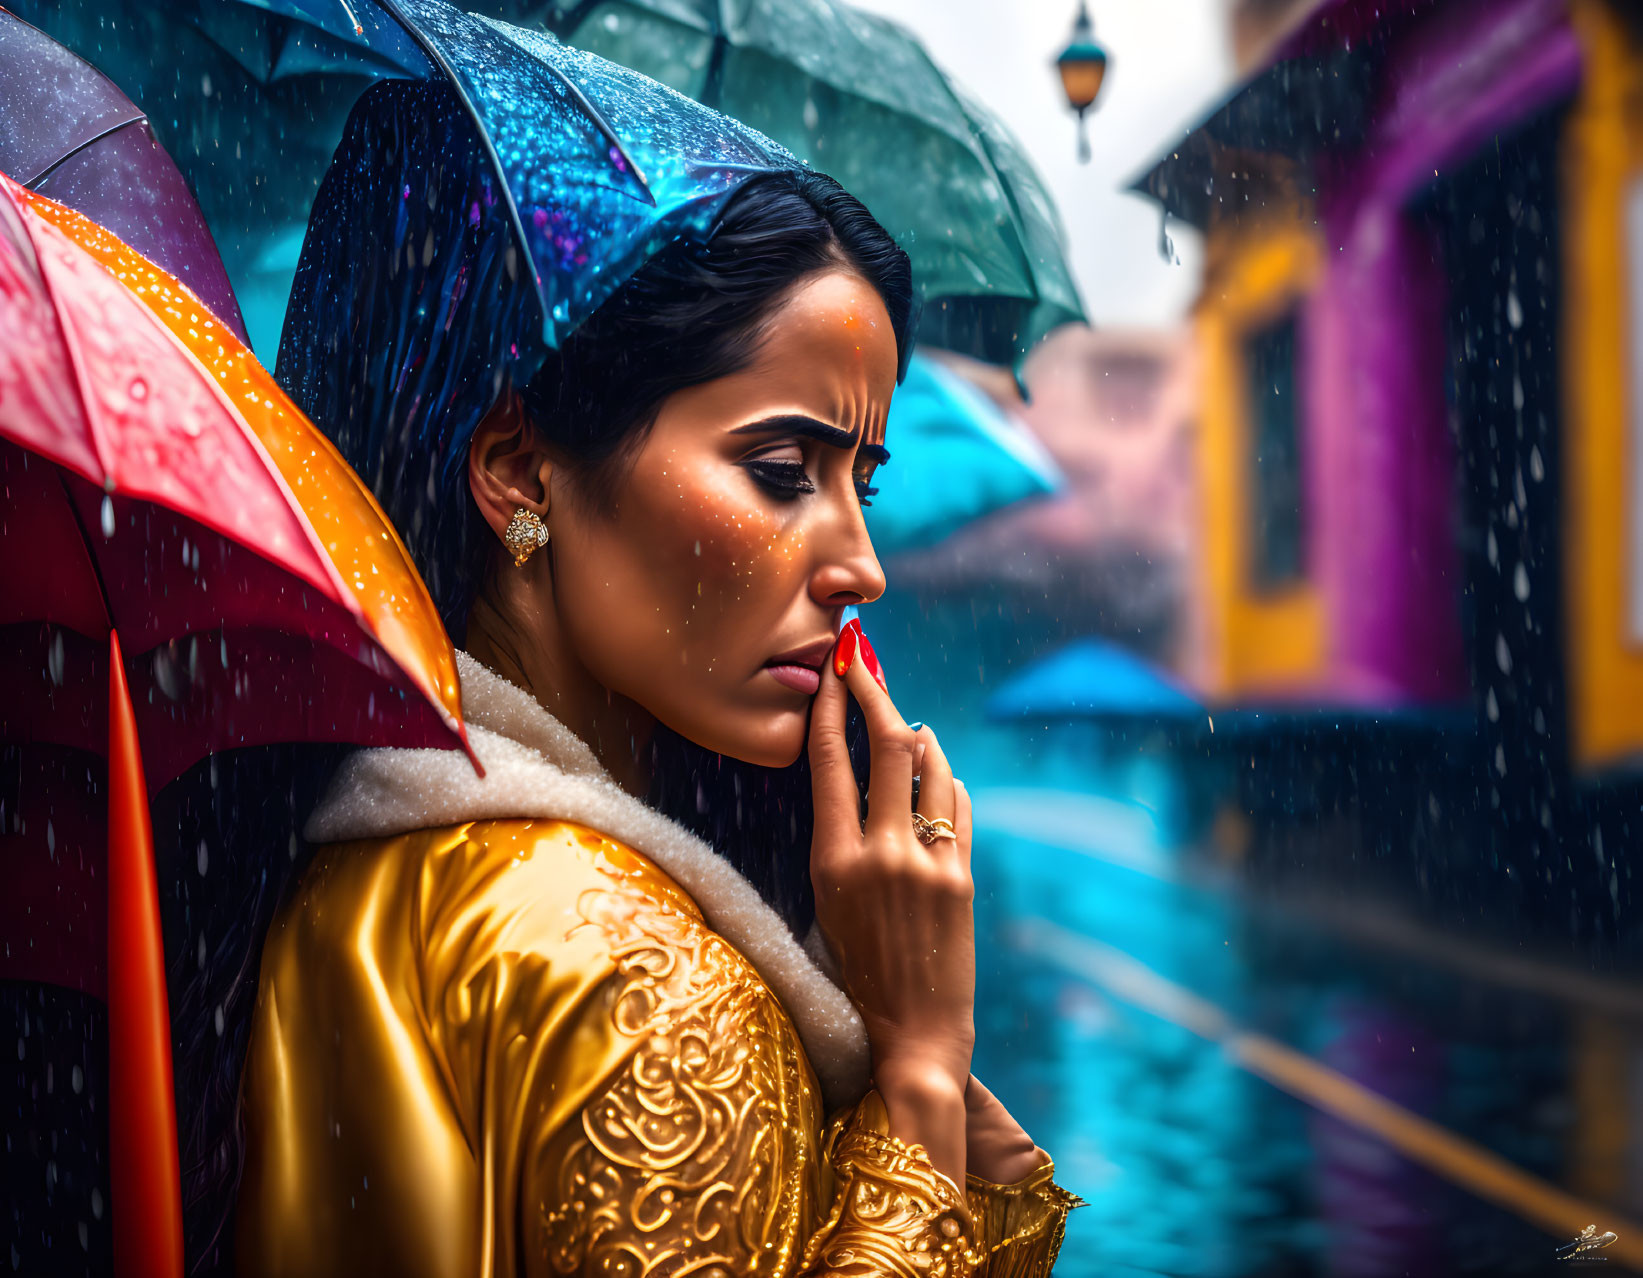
(1602,156)
(1253,640)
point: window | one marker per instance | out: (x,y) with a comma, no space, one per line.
(1277,521)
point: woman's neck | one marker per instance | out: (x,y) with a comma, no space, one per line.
(509,632)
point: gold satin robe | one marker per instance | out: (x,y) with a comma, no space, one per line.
(514,1047)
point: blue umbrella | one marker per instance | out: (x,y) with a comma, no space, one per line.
(598,165)
(1094,679)
(942,425)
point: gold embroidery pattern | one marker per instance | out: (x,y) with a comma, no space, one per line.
(697,1157)
(895,1215)
(1022,1225)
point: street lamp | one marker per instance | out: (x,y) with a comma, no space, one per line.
(1083,65)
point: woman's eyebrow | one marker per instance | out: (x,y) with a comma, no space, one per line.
(798,424)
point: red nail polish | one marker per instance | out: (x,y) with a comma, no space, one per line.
(870,659)
(845,650)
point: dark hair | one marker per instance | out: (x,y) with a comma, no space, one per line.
(398,349)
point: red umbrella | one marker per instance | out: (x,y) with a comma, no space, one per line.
(186,565)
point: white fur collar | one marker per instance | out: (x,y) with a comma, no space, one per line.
(537,767)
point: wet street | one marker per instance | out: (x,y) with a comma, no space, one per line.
(1243,1087)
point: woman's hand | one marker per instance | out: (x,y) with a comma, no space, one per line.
(897,912)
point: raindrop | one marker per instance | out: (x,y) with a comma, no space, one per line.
(199,957)
(138,390)
(203,860)
(1166,245)
(97,1202)
(1520,583)
(1491,707)
(108,516)
(1514,310)
(1493,548)
(51,838)
(54,659)
(77,1080)
(219,1020)
(1537,468)
(1503,655)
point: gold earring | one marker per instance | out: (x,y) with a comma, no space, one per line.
(526,534)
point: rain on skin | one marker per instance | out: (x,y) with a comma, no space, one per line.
(739,574)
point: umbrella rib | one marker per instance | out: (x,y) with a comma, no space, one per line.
(85,539)
(68,155)
(443,64)
(604,126)
(439,60)
(71,351)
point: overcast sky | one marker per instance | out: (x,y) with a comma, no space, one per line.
(1169,62)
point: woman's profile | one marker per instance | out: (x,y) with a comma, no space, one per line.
(657,994)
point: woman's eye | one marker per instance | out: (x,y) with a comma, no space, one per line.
(785,479)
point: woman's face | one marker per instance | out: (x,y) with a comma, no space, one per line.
(709,590)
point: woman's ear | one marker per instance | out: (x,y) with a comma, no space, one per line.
(507,465)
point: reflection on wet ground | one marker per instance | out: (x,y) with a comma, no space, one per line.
(1229,1080)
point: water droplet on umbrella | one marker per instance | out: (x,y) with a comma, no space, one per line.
(108,516)
(138,390)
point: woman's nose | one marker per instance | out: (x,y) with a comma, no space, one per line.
(849,571)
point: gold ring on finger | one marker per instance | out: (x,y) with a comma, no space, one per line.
(929,831)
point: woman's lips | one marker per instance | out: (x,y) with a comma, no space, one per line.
(799,678)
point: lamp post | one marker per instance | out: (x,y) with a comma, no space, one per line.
(1083,65)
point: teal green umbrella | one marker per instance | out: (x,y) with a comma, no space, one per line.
(857,97)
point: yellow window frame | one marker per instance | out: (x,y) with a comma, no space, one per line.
(1602,160)
(1254,639)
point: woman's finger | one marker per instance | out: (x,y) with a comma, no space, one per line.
(890,744)
(936,801)
(833,781)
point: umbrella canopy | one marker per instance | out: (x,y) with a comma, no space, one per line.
(942,424)
(271,82)
(186,565)
(1094,679)
(599,166)
(858,97)
(67,132)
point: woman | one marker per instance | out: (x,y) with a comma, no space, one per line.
(531,1022)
